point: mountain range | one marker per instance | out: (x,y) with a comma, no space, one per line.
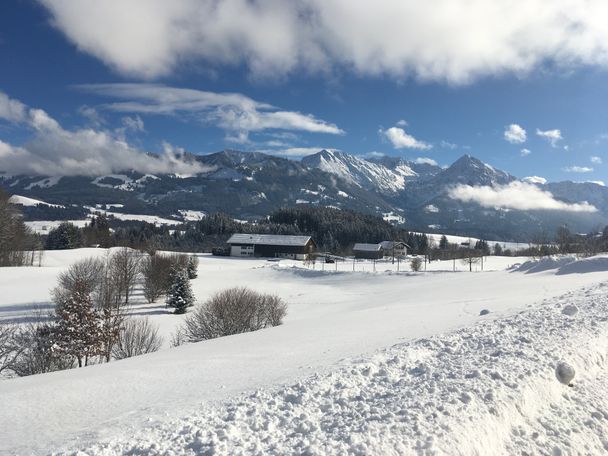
(250,185)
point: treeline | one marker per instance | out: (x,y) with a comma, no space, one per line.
(333,230)
(18,245)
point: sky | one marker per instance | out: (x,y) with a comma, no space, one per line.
(89,87)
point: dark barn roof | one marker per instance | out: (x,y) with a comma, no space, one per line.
(269,239)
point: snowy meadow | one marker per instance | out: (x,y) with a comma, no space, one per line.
(365,362)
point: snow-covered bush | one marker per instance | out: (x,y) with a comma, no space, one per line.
(233,311)
(137,337)
(416,264)
(180,297)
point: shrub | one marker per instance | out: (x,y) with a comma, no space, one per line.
(137,337)
(416,264)
(233,311)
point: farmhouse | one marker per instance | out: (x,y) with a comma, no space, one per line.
(368,251)
(271,245)
(394,249)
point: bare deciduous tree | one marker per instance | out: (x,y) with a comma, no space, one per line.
(9,347)
(125,268)
(137,336)
(233,311)
(157,276)
(37,356)
(87,273)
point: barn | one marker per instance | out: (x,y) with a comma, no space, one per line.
(271,246)
(368,251)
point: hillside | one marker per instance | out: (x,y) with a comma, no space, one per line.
(251,185)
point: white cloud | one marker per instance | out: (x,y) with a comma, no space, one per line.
(401,140)
(425,161)
(374,154)
(230,111)
(525,152)
(578,169)
(445,40)
(516,195)
(535,180)
(602,183)
(596,160)
(134,123)
(54,151)
(515,134)
(402,123)
(448,145)
(11,109)
(553,136)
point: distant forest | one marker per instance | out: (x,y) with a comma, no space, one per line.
(333,230)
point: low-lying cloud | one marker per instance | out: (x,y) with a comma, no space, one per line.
(516,195)
(55,151)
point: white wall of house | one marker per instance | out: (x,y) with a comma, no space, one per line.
(241,250)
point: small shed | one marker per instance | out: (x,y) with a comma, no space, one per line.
(368,251)
(271,246)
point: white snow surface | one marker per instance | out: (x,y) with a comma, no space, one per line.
(365,363)
(25,201)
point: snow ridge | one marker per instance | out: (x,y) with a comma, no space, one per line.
(361,172)
(485,389)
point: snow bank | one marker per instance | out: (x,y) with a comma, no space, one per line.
(565,264)
(486,389)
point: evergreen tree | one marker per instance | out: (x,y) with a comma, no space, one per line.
(180,297)
(443,242)
(79,331)
(497,249)
(65,236)
(192,267)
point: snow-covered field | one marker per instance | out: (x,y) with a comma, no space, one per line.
(366,362)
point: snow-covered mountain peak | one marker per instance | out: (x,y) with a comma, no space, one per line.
(361,172)
(472,171)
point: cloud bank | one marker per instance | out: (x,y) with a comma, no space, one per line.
(454,41)
(54,151)
(516,195)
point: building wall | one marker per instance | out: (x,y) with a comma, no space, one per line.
(366,254)
(242,250)
(272,251)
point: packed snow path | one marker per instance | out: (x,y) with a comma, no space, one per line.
(485,389)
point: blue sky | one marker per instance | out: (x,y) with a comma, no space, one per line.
(517,89)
